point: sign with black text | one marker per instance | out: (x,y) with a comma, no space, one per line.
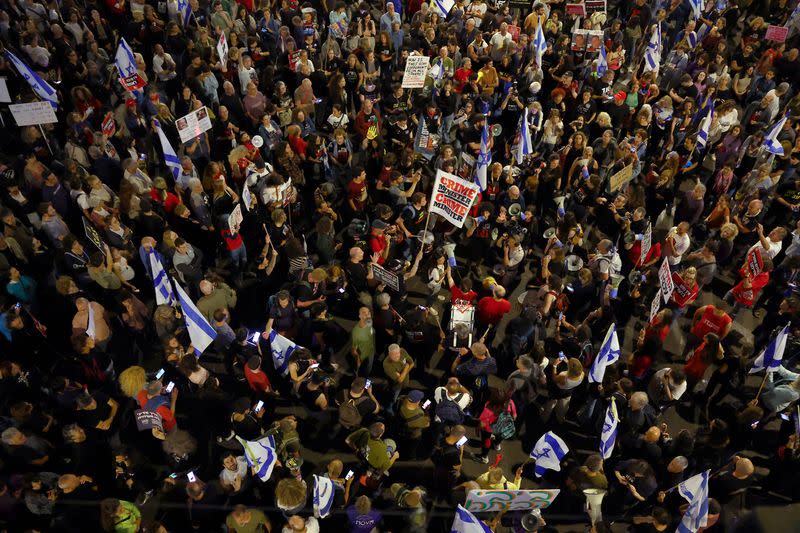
(452,197)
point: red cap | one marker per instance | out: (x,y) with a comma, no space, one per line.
(621,95)
(130,102)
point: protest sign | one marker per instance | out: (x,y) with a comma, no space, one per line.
(514,31)
(147,420)
(579,40)
(647,242)
(4,94)
(467,167)
(134,82)
(452,197)
(577,10)
(594,40)
(776,33)
(109,127)
(33,113)
(509,500)
(93,236)
(389,279)
(235,218)
(191,125)
(682,293)
(593,6)
(620,178)
(665,280)
(755,263)
(425,142)
(415,72)
(655,305)
(222,48)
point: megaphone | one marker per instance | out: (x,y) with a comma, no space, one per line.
(560,200)
(497,129)
(514,209)
(594,503)
(449,251)
(616,279)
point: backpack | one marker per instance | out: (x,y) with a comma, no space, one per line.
(504,428)
(349,415)
(449,411)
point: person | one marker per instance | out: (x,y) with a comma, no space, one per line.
(397,366)
(363,518)
(120,516)
(380,454)
(363,342)
(244,520)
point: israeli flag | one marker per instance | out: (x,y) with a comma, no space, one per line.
(90,327)
(608,355)
(442,6)
(652,54)
(525,145)
(484,157)
(695,491)
(260,455)
(609,434)
(705,126)
(185,11)
(466,522)
(770,358)
(602,62)
(548,453)
(200,331)
(281,349)
(164,292)
(539,44)
(771,142)
(124,60)
(697,8)
(324,492)
(42,89)
(692,38)
(170,157)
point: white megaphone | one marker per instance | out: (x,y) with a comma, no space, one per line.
(449,251)
(559,200)
(594,504)
(514,209)
(616,279)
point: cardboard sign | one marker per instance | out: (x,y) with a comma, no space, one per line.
(222,48)
(134,82)
(655,305)
(235,218)
(452,197)
(33,113)
(5,96)
(593,6)
(109,127)
(147,420)
(194,124)
(776,33)
(93,236)
(620,178)
(647,242)
(481,501)
(754,262)
(389,279)
(577,10)
(415,72)
(665,280)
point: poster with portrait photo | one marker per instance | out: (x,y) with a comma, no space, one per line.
(594,40)
(579,38)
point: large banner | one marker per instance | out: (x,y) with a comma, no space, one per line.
(192,125)
(452,197)
(480,501)
(416,70)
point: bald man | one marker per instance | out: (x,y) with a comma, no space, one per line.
(737,476)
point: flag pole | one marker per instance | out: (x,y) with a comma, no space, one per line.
(763,381)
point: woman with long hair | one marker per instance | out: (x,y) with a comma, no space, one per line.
(499,401)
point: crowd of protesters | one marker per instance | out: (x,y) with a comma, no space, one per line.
(331,164)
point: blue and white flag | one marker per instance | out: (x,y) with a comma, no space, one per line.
(466,522)
(90,327)
(771,142)
(705,127)
(548,453)
(695,491)
(539,45)
(484,157)
(324,491)
(525,145)
(697,8)
(163,288)
(602,62)
(42,89)
(692,38)
(125,62)
(185,11)
(200,331)
(281,349)
(770,358)
(170,157)
(609,434)
(652,54)
(260,455)
(443,7)
(608,355)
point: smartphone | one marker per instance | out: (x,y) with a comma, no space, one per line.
(173,475)
(341,290)
(426,404)
(254,338)
(754,425)
(785,416)
(561,316)
(191,476)
(461,442)
(569,288)
(349,474)
(561,356)
(315,365)
(142,157)
(259,406)
(170,386)
(159,373)
(368,384)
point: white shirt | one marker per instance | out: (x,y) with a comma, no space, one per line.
(246,76)
(229,476)
(682,243)
(462,403)
(159,64)
(771,252)
(38,54)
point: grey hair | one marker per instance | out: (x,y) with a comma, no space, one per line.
(383,299)
(9,435)
(526,361)
(69,432)
(394,347)
(639,399)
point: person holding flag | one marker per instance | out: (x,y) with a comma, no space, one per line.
(41,88)
(484,156)
(200,331)
(171,159)
(608,355)
(608,436)
(695,491)
(524,146)
(550,449)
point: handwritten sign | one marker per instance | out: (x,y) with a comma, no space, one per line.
(655,305)
(665,280)
(389,279)
(194,124)
(776,33)
(481,501)
(33,113)
(620,178)
(452,197)
(235,218)
(415,72)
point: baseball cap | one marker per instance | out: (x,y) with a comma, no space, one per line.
(379,224)
(415,396)
(621,95)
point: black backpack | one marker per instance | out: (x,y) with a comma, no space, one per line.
(449,411)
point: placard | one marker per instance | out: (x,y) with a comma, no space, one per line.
(390,279)
(108,126)
(33,113)
(147,420)
(579,37)
(577,10)
(481,501)
(620,178)
(655,305)
(594,40)
(425,143)
(5,97)
(665,280)
(222,49)
(754,262)
(235,218)
(452,197)
(193,124)
(593,6)
(134,82)
(93,236)
(647,242)
(514,31)
(415,72)
(467,166)
(776,33)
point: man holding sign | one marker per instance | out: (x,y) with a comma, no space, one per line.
(452,197)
